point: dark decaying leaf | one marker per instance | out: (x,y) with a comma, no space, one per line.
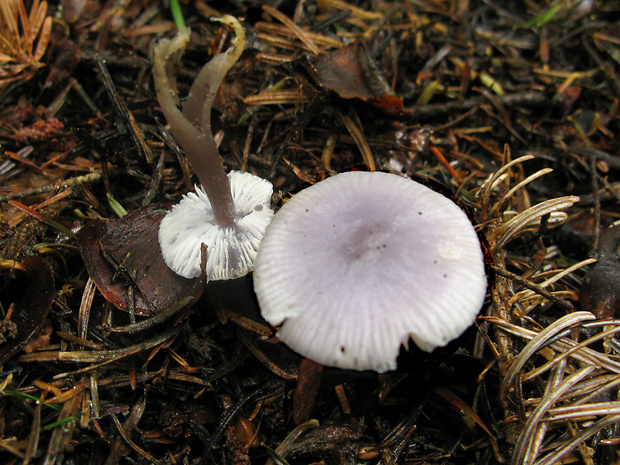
(30,292)
(66,56)
(308,382)
(338,441)
(350,73)
(600,293)
(124,254)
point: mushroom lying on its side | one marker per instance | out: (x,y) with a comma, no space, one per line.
(231,250)
(228,213)
(356,265)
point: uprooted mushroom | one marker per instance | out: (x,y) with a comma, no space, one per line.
(227,213)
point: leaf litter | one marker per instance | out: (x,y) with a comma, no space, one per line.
(510,108)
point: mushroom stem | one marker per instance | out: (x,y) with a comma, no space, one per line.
(197,108)
(192,127)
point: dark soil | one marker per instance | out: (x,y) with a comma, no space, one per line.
(445,91)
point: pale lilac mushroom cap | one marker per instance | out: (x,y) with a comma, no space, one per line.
(231,249)
(356,265)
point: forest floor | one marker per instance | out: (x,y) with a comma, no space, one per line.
(510,108)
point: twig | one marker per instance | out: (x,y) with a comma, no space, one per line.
(525,99)
(125,121)
(68,184)
(597,204)
(567,305)
(611,160)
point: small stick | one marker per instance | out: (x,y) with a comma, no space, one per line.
(528,99)
(567,305)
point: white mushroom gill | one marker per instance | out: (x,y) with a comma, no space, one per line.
(231,250)
(356,265)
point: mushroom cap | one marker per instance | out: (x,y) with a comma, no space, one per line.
(231,250)
(355,265)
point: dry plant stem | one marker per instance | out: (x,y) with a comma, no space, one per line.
(85,305)
(565,448)
(119,447)
(260,355)
(594,388)
(122,112)
(525,451)
(94,393)
(61,436)
(95,356)
(35,431)
(524,99)
(501,310)
(6,445)
(192,128)
(154,320)
(585,355)
(256,396)
(296,30)
(126,437)
(533,287)
(593,153)
(567,353)
(395,441)
(571,393)
(285,446)
(567,305)
(69,183)
(355,129)
(510,228)
(597,206)
(582,412)
(535,345)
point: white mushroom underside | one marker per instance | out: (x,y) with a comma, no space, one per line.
(355,265)
(231,251)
